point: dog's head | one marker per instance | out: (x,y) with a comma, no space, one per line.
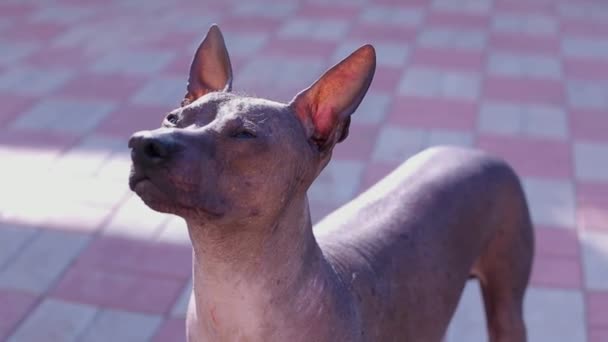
(222,156)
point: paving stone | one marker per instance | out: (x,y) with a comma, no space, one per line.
(587,95)
(373,108)
(61,14)
(338,182)
(532,66)
(89,156)
(597,302)
(551,202)
(585,47)
(525,23)
(64,116)
(181,305)
(469,321)
(561,310)
(448,137)
(175,231)
(257,9)
(173,329)
(591,161)
(272,72)
(390,54)
(389,15)
(500,118)
(42,261)
(452,38)
(242,43)
(135,220)
(320,29)
(395,145)
(132,62)
(419,81)
(165,91)
(119,326)
(55,320)
(595,259)
(587,11)
(542,121)
(13,52)
(33,81)
(467,6)
(13,239)
(536,121)
(15,306)
(123,290)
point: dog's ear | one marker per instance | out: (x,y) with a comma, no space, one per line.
(210,70)
(325,107)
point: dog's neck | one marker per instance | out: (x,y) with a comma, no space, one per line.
(250,277)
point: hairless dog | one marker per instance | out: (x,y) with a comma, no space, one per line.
(388,266)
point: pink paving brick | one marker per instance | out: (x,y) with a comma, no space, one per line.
(597,309)
(96,86)
(555,242)
(358,146)
(524,43)
(173,329)
(118,290)
(586,28)
(15,306)
(589,125)
(592,206)
(433,113)
(129,118)
(176,41)
(298,48)
(448,58)
(13,105)
(598,335)
(15,9)
(524,6)
(372,32)
(531,157)
(41,32)
(323,10)
(132,256)
(556,272)
(585,68)
(318,210)
(42,140)
(374,172)
(440,18)
(237,23)
(59,56)
(386,78)
(524,90)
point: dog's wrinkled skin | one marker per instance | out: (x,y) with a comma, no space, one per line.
(388,266)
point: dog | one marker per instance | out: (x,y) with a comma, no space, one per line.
(388,266)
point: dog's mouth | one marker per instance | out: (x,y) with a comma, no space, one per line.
(136,178)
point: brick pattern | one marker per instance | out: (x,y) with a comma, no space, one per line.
(524,80)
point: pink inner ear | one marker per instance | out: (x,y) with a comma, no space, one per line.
(324,120)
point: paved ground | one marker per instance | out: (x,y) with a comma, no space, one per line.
(82,259)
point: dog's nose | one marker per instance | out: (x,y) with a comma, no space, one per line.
(151,148)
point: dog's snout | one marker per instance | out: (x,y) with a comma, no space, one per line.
(151,148)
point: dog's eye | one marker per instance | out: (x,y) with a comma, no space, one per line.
(244,134)
(172,118)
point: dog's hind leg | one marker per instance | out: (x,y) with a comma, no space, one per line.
(503,269)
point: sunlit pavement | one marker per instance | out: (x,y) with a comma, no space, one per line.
(82,259)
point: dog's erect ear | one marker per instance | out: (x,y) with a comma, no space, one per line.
(325,107)
(210,70)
